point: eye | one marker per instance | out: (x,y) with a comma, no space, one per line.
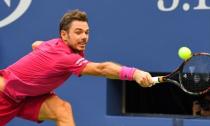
(87,32)
(78,32)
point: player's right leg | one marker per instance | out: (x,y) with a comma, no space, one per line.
(8,107)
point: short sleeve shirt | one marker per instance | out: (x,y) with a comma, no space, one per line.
(43,69)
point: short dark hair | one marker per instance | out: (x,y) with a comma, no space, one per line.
(71,16)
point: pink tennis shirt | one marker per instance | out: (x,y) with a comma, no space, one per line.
(42,70)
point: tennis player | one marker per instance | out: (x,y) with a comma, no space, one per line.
(26,87)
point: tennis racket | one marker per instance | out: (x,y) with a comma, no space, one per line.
(192,76)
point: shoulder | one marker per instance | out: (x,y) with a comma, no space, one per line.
(53,41)
(72,57)
(51,45)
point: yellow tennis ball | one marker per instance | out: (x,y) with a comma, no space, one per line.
(184,53)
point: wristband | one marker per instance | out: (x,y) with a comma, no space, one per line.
(126,73)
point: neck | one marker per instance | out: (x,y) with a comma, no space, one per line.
(74,50)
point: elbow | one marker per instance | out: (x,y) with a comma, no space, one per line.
(103,68)
(109,70)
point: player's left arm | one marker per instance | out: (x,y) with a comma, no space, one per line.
(113,71)
(36,44)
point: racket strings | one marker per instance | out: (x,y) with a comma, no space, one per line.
(195,83)
(195,76)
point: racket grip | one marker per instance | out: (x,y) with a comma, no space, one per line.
(159,79)
(155,79)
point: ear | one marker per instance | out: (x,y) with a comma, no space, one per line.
(64,35)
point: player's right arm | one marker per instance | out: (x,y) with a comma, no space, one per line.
(36,44)
(112,70)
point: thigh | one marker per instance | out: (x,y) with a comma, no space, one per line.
(8,109)
(58,110)
(32,105)
(54,108)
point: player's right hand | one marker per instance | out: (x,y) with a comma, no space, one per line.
(143,78)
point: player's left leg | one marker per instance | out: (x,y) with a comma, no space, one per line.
(54,108)
(47,107)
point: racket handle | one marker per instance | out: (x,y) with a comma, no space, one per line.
(158,79)
(155,79)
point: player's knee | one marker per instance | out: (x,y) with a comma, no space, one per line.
(67,107)
(64,112)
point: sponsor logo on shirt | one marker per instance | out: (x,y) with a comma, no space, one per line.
(81,61)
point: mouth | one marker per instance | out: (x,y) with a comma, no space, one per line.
(82,45)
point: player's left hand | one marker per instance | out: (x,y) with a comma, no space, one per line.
(36,44)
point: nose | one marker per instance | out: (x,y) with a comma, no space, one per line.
(84,36)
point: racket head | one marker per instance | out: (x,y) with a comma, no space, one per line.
(193,75)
